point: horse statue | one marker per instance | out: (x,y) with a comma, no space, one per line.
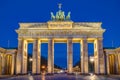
(62,16)
(57,16)
(52,16)
(68,16)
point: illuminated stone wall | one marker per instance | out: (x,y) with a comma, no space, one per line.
(60,31)
(7,61)
(112,60)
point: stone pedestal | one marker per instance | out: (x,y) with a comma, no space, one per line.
(36,57)
(70,55)
(84,56)
(50,56)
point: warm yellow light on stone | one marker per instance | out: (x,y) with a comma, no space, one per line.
(62,32)
(43,66)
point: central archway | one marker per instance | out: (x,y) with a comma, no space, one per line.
(60,55)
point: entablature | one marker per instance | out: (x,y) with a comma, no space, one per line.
(61,25)
(60,29)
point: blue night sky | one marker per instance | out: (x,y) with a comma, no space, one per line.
(13,12)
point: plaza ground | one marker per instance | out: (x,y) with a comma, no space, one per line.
(62,77)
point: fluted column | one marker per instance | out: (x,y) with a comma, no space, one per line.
(3,63)
(50,56)
(70,55)
(107,61)
(19,56)
(110,64)
(84,56)
(24,57)
(0,65)
(21,63)
(36,57)
(116,63)
(12,64)
(99,57)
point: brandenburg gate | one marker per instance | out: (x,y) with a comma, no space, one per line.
(60,29)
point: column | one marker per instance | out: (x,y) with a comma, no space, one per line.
(36,57)
(12,64)
(116,63)
(107,61)
(21,63)
(24,57)
(110,63)
(113,63)
(50,56)
(19,56)
(84,56)
(3,64)
(0,63)
(7,64)
(70,55)
(99,57)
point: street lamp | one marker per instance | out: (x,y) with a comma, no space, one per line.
(30,63)
(43,68)
(91,59)
(30,59)
(43,73)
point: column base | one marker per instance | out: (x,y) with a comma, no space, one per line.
(100,74)
(84,74)
(36,73)
(50,74)
(21,74)
(70,73)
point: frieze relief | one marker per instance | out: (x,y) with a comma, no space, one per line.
(88,24)
(33,25)
(60,25)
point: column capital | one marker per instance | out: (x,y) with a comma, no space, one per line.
(50,38)
(35,38)
(20,38)
(69,38)
(99,38)
(84,38)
